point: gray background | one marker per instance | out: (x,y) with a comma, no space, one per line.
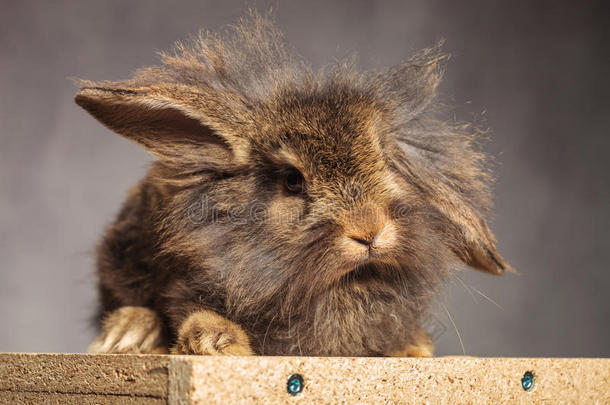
(536,73)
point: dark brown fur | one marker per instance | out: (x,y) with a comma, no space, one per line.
(213,228)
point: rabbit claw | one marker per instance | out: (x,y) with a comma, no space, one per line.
(130,330)
(207,333)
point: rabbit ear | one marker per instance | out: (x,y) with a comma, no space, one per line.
(177,124)
(441,162)
(459,198)
(439,158)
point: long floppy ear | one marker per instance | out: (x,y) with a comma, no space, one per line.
(459,202)
(179,125)
(444,167)
(439,158)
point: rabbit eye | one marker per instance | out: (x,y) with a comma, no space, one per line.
(293,181)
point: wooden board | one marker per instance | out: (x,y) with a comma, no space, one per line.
(159,379)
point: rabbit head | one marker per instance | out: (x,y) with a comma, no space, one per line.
(286,187)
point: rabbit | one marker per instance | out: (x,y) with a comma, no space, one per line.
(289,211)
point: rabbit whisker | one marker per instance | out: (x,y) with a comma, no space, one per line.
(456,329)
(487,298)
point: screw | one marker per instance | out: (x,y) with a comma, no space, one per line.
(295,384)
(527,382)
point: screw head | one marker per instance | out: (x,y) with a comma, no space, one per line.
(527,382)
(295,384)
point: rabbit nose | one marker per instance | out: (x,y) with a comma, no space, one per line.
(368,230)
(368,238)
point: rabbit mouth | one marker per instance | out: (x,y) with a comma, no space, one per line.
(372,272)
(362,273)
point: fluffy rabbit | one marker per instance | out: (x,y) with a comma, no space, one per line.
(289,212)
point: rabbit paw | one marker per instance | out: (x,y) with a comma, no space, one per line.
(421,346)
(207,333)
(130,330)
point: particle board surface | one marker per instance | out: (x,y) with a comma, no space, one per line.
(162,379)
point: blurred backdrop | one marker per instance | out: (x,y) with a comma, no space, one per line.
(535,73)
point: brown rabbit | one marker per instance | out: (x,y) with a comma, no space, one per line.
(289,212)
